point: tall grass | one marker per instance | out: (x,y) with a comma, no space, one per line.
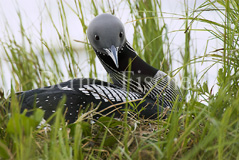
(150,33)
(205,126)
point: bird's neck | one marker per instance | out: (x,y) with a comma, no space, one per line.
(130,66)
(130,61)
(140,77)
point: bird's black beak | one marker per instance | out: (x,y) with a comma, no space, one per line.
(113,53)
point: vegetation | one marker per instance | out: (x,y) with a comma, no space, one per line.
(204,126)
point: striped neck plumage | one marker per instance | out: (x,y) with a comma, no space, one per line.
(136,75)
(132,69)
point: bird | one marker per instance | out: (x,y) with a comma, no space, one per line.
(135,83)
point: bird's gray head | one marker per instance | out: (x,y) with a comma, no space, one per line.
(107,35)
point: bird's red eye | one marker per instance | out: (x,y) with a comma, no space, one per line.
(97,37)
(121,34)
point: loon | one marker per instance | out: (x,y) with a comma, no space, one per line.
(149,89)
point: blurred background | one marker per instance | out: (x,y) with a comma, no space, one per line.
(39,47)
